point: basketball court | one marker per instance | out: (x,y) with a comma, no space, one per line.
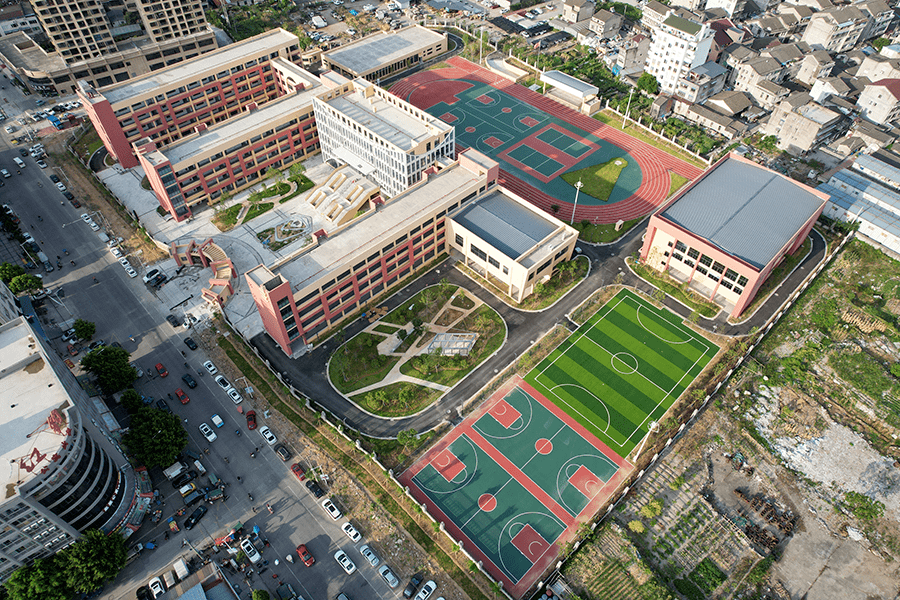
(513,480)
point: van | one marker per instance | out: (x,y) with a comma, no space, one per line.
(181,569)
(169,579)
(174,471)
(19,162)
(190,454)
(199,466)
(213,480)
(194,497)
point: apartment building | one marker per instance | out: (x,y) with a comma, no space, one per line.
(605,24)
(384,54)
(802,125)
(19,17)
(382,136)
(881,15)
(632,55)
(171,103)
(879,101)
(63,475)
(86,44)
(760,78)
(576,11)
(678,46)
(724,233)
(456,205)
(836,29)
(814,66)
(702,82)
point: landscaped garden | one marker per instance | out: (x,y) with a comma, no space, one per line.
(566,276)
(394,351)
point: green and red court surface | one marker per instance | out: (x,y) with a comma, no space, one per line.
(516,478)
(536,139)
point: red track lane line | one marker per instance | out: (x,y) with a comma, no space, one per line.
(514,472)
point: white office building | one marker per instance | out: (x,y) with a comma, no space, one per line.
(381,136)
(678,46)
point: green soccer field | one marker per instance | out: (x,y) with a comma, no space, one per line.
(623,369)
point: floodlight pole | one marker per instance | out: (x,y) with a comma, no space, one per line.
(578,187)
(627,108)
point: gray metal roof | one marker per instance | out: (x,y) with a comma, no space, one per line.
(382,49)
(502,223)
(746,210)
(559,78)
(870,203)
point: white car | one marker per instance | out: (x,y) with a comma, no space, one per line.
(9,129)
(28,238)
(210,367)
(94,226)
(5,173)
(156,587)
(131,272)
(150,274)
(207,432)
(331,509)
(124,262)
(41,164)
(388,576)
(250,550)
(351,532)
(60,186)
(217,421)
(116,252)
(427,590)
(369,555)
(223,383)
(341,557)
(268,435)
(234,395)
(86,218)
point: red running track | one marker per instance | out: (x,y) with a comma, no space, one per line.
(655,164)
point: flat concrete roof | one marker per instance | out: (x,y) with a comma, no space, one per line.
(190,70)
(32,58)
(29,390)
(560,78)
(372,232)
(505,224)
(375,51)
(745,209)
(237,129)
(385,119)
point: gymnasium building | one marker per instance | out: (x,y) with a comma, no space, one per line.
(725,233)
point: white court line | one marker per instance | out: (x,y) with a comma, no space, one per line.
(423,487)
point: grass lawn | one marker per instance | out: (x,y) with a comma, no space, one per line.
(562,281)
(462,301)
(603,233)
(677,183)
(598,180)
(398,399)
(275,190)
(226,219)
(357,363)
(613,120)
(447,370)
(258,209)
(423,305)
(382,328)
(304,184)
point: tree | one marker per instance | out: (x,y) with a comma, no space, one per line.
(260,595)
(110,366)
(648,83)
(274,174)
(84,329)
(25,284)
(45,579)
(94,559)
(651,509)
(407,437)
(895,370)
(131,401)
(636,526)
(156,437)
(880,43)
(296,170)
(9,271)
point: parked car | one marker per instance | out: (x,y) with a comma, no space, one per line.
(161,370)
(234,395)
(305,556)
(414,582)
(222,382)
(150,275)
(331,509)
(155,584)
(208,433)
(163,405)
(173,320)
(351,532)
(189,380)
(283,453)
(182,397)
(190,343)
(314,488)
(268,435)
(184,478)
(369,555)
(342,559)
(298,472)
(251,420)
(250,550)
(195,517)
(388,576)
(427,590)
(210,367)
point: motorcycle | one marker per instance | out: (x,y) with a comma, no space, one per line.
(238,432)
(66,252)
(269,508)
(250,496)
(58,265)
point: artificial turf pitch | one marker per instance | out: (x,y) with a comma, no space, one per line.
(623,369)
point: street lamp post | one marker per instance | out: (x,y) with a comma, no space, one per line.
(627,108)
(578,187)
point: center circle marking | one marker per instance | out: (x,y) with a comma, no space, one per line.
(487,502)
(543,446)
(624,363)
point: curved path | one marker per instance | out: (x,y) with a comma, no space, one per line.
(656,165)
(308,373)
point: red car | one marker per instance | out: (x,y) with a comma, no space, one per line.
(161,370)
(72,350)
(251,419)
(305,556)
(182,396)
(297,470)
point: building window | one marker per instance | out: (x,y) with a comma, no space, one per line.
(459,240)
(479,253)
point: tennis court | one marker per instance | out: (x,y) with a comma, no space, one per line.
(535,160)
(563,143)
(513,480)
(623,369)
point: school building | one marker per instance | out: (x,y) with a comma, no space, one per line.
(725,233)
(384,54)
